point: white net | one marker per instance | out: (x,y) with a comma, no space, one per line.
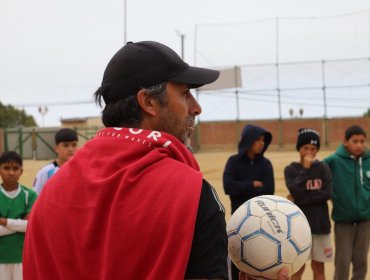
(291,67)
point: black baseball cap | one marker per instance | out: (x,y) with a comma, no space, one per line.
(147,63)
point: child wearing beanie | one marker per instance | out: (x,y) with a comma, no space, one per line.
(309,183)
(308,136)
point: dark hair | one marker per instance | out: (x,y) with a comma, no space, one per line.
(10,156)
(126,111)
(354,130)
(65,135)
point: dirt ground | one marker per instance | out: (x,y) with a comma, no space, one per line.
(212,165)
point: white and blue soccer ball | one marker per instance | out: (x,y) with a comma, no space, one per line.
(268,233)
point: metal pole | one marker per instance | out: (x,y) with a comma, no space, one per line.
(124,22)
(280,122)
(182,38)
(236,93)
(43,111)
(277,68)
(182,46)
(20,141)
(324,88)
(325,106)
(278,90)
(195,44)
(237,126)
(277,39)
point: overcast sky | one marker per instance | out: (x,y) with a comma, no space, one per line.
(53,53)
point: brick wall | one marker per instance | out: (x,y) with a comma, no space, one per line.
(225,135)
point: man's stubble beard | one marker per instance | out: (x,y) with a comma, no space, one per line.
(171,124)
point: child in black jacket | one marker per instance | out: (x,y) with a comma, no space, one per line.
(248,173)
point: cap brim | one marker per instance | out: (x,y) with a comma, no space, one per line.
(196,77)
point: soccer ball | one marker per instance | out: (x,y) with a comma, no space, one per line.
(268,233)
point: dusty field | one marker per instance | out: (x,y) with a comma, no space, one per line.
(212,165)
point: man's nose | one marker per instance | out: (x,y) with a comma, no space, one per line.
(194,107)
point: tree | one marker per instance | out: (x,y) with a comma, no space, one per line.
(12,117)
(367,114)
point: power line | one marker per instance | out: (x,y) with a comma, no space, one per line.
(274,18)
(314,104)
(55,103)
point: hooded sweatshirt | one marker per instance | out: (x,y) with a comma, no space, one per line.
(351,184)
(124,207)
(311,188)
(240,171)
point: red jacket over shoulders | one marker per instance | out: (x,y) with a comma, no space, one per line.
(124,207)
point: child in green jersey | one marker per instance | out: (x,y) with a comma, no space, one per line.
(15,205)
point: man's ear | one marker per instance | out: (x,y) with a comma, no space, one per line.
(147,103)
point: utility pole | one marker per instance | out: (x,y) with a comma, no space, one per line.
(124,22)
(280,122)
(182,37)
(43,111)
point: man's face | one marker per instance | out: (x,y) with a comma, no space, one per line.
(356,144)
(177,116)
(10,173)
(65,150)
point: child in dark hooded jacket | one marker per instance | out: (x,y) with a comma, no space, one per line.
(248,173)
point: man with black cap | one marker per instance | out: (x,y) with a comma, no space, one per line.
(132,203)
(309,182)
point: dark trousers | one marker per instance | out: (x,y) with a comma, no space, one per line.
(351,246)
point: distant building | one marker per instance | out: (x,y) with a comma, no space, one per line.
(82,122)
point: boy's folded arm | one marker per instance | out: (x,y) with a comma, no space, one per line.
(17,225)
(5,231)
